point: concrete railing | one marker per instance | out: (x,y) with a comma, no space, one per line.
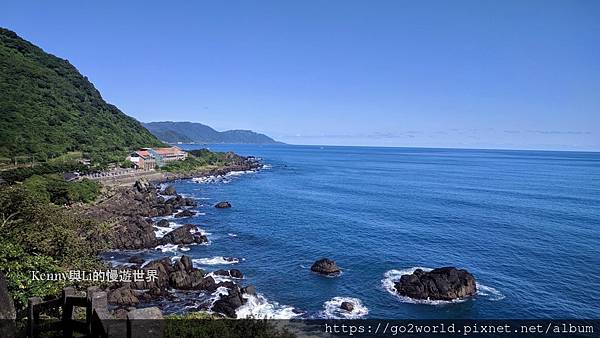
(98,320)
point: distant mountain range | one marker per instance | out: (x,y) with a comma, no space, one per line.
(191,132)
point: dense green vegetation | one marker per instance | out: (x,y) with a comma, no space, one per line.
(198,159)
(40,236)
(47,108)
(188,132)
(21,174)
(52,188)
(200,324)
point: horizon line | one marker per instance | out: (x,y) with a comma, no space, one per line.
(404,147)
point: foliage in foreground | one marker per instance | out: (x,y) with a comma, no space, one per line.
(201,324)
(39,236)
(52,188)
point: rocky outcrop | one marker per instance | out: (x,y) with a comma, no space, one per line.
(325,266)
(169,191)
(249,290)
(132,233)
(227,303)
(446,283)
(123,296)
(185,213)
(235,273)
(181,275)
(163,223)
(186,280)
(185,234)
(142,185)
(137,260)
(223,205)
(347,306)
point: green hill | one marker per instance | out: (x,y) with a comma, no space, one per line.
(188,132)
(47,108)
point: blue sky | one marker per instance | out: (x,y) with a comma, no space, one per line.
(475,74)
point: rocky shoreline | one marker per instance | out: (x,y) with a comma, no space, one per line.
(130,212)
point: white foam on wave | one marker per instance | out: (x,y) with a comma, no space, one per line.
(212,179)
(217,260)
(489,292)
(259,307)
(221,278)
(332,309)
(392,276)
(172,248)
(161,231)
(232,235)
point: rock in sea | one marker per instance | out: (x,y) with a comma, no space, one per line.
(183,235)
(325,266)
(185,213)
(446,283)
(163,223)
(347,306)
(223,205)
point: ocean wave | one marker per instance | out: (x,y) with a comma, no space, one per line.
(259,307)
(212,179)
(392,276)
(217,260)
(332,309)
(232,235)
(171,248)
(220,278)
(161,231)
(489,292)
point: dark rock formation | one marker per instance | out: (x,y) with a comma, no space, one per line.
(185,263)
(227,304)
(208,284)
(132,233)
(325,266)
(189,202)
(185,234)
(347,306)
(446,283)
(235,273)
(142,185)
(221,272)
(163,223)
(186,280)
(185,213)
(250,290)
(123,296)
(138,260)
(223,205)
(169,191)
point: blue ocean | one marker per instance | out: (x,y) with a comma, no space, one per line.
(526,224)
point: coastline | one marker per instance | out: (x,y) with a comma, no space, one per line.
(137,209)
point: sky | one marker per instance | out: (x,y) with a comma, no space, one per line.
(522,74)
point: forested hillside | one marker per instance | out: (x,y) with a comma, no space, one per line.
(47,108)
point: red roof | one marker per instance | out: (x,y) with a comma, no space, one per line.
(168,151)
(143,153)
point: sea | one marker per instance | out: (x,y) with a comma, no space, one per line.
(526,224)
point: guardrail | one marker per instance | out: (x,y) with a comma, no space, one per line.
(98,323)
